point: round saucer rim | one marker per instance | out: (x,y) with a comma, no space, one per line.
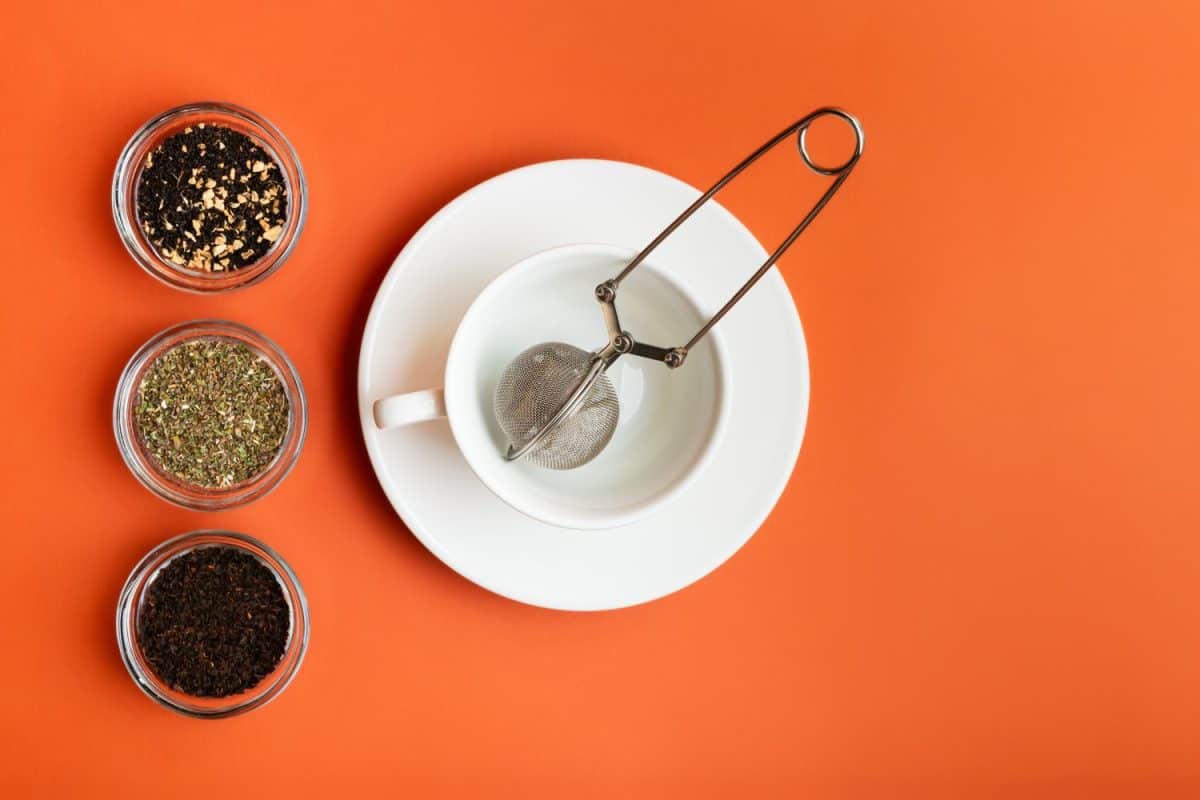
(776,485)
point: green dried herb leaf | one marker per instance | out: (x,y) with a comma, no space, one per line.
(212,412)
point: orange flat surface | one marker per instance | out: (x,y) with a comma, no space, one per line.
(984,577)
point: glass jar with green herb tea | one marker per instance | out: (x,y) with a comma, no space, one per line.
(210,414)
(212,623)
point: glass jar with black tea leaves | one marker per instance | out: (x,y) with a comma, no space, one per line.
(212,623)
(210,415)
(209,197)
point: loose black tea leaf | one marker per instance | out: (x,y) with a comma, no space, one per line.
(211,412)
(214,622)
(210,199)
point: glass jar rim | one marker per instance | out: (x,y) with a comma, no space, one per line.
(124,195)
(144,574)
(143,465)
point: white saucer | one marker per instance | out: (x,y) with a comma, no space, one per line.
(431,284)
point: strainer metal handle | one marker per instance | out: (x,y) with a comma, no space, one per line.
(622,342)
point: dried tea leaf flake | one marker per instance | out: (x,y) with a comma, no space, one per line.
(212,412)
(182,194)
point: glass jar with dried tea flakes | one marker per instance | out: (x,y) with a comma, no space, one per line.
(212,623)
(210,415)
(209,197)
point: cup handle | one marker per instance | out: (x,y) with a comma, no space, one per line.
(405,409)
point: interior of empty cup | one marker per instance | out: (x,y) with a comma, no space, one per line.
(668,418)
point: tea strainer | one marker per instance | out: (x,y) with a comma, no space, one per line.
(555,402)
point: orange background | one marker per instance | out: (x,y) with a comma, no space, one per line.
(984,577)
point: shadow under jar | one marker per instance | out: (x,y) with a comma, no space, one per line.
(278,153)
(140,458)
(132,610)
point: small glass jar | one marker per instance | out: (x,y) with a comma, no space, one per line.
(147,470)
(129,170)
(132,599)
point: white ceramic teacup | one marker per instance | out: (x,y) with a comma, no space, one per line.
(670,420)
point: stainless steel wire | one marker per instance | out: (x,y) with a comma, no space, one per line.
(554,401)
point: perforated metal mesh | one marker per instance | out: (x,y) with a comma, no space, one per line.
(535,385)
